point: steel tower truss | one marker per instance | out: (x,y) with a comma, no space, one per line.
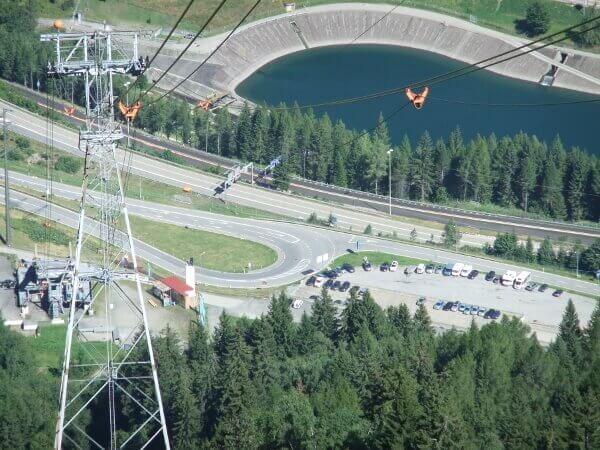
(109,396)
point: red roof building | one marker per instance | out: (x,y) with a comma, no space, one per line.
(177,285)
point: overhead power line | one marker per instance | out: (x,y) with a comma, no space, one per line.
(162,45)
(239,24)
(176,60)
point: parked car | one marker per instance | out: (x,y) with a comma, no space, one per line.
(557,293)
(339,271)
(481,311)
(454,306)
(345,286)
(438,269)
(496,280)
(421,301)
(348,268)
(384,267)
(394,266)
(474,273)
(337,284)
(430,268)
(467,309)
(366,265)
(489,313)
(311,281)
(439,304)
(329,283)
(319,281)
(331,273)
(297,303)
(420,268)
(490,275)
(461,307)
(448,306)
(531,287)
(492,314)
(543,288)
(474,310)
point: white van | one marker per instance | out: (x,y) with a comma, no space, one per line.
(508,278)
(466,270)
(421,268)
(457,269)
(522,279)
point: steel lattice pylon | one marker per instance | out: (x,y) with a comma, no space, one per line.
(109,396)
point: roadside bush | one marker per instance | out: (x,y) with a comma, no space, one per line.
(368,229)
(313,218)
(23,143)
(68,164)
(15,155)
(39,233)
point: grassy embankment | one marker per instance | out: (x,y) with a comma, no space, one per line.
(375,258)
(501,15)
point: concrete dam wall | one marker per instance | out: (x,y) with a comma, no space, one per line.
(261,42)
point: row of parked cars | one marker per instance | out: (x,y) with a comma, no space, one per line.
(465,308)
(328,278)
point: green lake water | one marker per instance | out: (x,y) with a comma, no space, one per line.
(331,73)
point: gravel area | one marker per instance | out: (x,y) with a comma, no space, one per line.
(541,311)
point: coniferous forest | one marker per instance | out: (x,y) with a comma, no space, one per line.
(367,378)
(510,171)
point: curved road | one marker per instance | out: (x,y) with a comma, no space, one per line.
(298,245)
(364,211)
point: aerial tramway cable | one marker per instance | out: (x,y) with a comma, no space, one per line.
(162,45)
(470,68)
(239,24)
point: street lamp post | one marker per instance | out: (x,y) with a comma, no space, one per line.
(6,185)
(389,152)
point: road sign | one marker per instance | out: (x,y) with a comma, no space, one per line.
(357,245)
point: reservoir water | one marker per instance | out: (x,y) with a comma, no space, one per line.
(331,73)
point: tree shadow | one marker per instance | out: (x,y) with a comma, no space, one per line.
(522,27)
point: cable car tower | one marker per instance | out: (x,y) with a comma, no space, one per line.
(112,390)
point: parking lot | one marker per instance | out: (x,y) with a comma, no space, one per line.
(541,311)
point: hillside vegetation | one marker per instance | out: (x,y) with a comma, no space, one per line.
(503,15)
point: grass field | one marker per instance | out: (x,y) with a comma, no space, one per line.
(209,250)
(375,258)
(498,14)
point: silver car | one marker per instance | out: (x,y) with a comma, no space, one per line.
(481,311)
(474,310)
(467,309)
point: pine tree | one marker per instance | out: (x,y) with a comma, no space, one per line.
(186,416)
(421,171)
(324,315)
(244,134)
(569,331)
(545,253)
(452,234)
(537,19)
(236,427)
(281,320)
(576,176)
(422,321)
(552,199)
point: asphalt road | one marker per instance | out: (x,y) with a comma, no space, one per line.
(298,245)
(349,198)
